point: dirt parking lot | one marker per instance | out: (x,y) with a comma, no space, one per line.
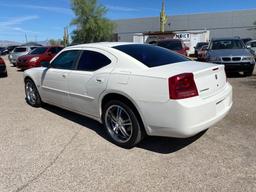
(49,149)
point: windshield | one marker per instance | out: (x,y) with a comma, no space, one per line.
(20,49)
(150,55)
(227,44)
(172,45)
(37,51)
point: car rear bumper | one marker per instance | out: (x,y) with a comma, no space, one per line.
(187,117)
(3,70)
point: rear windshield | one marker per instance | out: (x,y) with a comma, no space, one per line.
(150,55)
(39,50)
(172,45)
(20,49)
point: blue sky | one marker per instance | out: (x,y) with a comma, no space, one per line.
(45,19)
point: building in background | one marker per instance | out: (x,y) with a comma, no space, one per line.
(191,28)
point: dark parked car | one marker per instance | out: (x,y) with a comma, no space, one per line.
(3,71)
(176,45)
(198,47)
(3,51)
(35,57)
(232,53)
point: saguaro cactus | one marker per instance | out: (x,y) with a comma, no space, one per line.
(163,17)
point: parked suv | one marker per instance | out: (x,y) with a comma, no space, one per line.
(176,45)
(35,57)
(19,51)
(232,53)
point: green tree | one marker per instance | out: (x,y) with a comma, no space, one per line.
(91,23)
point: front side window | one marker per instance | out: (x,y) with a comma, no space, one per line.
(253,44)
(20,49)
(92,61)
(150,55)
(66,60)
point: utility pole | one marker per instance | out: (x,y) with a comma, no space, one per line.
(163,17)
(26,38)
(65,37)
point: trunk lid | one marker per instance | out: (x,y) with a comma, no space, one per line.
(209,78)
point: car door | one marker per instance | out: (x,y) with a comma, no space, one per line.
(54,79)
(89,80)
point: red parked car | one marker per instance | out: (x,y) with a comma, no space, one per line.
(176,45)
(3,70)
(35,57)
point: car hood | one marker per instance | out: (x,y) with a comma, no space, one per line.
(229,52)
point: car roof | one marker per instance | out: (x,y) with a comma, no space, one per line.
(227,38)
(252,41)
(26,46)
(101,44)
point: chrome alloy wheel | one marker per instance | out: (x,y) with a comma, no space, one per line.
(118,123)
(31,93)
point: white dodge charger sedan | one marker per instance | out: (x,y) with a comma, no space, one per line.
(133,89)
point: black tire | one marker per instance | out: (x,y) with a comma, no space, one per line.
(32,98)
(134,131)
(4,75)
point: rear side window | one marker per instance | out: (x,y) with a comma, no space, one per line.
(92,61)
(150,55)
(66,60)
(172,45)
(20,49)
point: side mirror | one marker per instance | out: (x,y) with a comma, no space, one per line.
(45,64)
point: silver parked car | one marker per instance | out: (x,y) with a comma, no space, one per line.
(19,51)
(252,45)
(232,53)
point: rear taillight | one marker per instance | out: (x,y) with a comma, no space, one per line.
(182,86)
(2,61)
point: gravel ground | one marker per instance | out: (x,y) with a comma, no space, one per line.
(49,149)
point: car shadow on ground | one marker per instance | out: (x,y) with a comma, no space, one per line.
(155,144)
